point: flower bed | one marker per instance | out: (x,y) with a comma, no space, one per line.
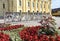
(45,32)
(4,37)
(31,34)
(11,27)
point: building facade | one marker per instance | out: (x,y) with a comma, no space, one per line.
(41,6)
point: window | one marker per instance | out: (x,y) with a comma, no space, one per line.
(42,1)
(44,5)
(3,6)
(28,4)
(38,0)
(49,5)
(33,4)
(29,11)
(20,11)
(37,5)
(46,0)
(20,2)
(37,11)
(40,5)
(44,12)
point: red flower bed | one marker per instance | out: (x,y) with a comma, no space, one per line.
(31,34)
(4,37)
(11,27)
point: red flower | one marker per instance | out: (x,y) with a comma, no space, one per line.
(11,27)
(30,34)
(58,38)
(4,37)
(51,38)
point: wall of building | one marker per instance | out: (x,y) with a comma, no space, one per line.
(5,9)
(12,5)
(43,6)
(39,5)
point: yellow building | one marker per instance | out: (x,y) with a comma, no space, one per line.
(42,6)
(56,12)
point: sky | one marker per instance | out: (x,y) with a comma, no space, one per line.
(55,4)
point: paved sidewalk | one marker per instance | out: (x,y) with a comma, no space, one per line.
(32,23)
(1,20)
